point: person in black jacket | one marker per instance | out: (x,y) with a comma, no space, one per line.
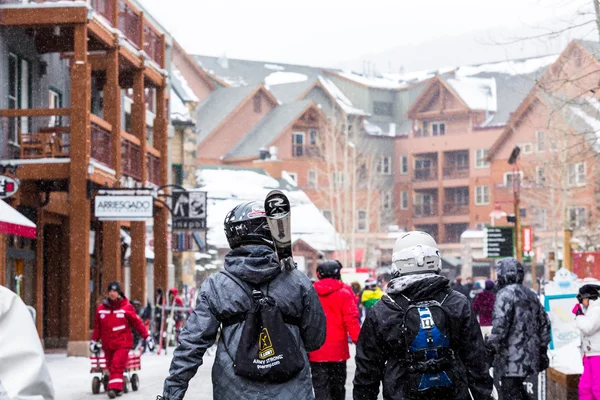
(386,351)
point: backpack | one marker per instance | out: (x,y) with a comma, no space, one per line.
(427,347)
(267,351)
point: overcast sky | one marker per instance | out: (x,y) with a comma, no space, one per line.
(331,32)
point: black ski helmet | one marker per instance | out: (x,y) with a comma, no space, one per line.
(588,291)
(510,271)
(329,269)
(247,224)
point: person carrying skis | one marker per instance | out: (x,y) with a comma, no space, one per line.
(112,326)
(178,315)
(328,364)
(520,331)
(371,294)
(421,340)
(228,301)
(587,318)
(483,306)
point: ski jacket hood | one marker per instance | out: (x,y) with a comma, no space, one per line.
(379,353)
(520,331)
(221,305)
(327,286)
(26,375)
(174,291)
(589,325)
(253,263)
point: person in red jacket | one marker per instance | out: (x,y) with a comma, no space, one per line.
(328,364)
(112,325)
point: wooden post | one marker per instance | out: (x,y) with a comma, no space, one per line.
(138,229)
(441,197)
(39,275)
(2,259)
(567,261)
(161,216)
(79,222)
(115,16)
(111,231)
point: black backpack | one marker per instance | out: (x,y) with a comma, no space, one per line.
(427,349)
(267,351)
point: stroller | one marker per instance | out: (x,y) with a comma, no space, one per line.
(99,369)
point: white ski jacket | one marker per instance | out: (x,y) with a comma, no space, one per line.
(589,325)
(23,371)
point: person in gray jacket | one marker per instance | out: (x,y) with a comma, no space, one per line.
(222,304)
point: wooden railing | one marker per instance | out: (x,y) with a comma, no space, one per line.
(106,8)
(100,138)
(426,174)
(456,171)
(425,210)
(153,164)
(456,208)
(131,156)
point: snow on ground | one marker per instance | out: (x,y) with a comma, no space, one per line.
(477,93)
(227,188)
(280,78)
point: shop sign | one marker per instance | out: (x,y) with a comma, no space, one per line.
(189,210)
(123,208)
(8,186)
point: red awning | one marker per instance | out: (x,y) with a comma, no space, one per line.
(13,222)
(358,255)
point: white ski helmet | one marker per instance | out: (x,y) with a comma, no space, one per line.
(415,252)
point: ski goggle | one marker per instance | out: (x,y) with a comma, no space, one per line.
(416,256)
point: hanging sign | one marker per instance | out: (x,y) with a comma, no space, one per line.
(189,210)
(124,208)
(8,186)
(499,242)
(527,239)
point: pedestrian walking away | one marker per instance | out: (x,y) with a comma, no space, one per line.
(483,307)
(421,340)
(520,331)
(23,370)
(252,284)
(371,294)
(112,327)
(587,318)
(328,364)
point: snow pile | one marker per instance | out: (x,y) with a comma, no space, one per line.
(340,97)
(568,358)
(510,67)
(372,129)
(288,178)
(179,111)
(280,78)
(189,93)
(274,67)
(477,93)
(227,188)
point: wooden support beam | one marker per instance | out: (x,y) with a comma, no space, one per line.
(39,275)
(161,217)
(138,262)
(79,222)
(36,16)
(138,117)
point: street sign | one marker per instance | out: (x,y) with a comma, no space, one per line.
(527,239)
(499,242)
(124,208)
(189,210)
(8,186)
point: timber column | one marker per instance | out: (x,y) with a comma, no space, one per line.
(161,214)
(79,221)
(111,231)
(138,229)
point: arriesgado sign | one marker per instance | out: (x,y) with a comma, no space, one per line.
(123,208)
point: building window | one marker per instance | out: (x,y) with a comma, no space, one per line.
(425,128)
(510,178)
(313,178)
(327,215)
(403,165)
(577,174)
(338,180)
(540,218)
(553,145)
(294,176)
(257,104)
(540,141)
(540,176)
(361,221)
(482,195)
(297,144)
(54,102)
(383,108)
(404,200)
(384,165)
(177,174)
(313,135)
(438,128)
(577,216)
(19,94)
(527,148)
(480,155)
(386,200)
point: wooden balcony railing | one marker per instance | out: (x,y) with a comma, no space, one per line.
(425,210)
(153,163)
(456,208)
(426,174)
(299,150)
(131,156)
(153,44)
(456,171)
(106,8)
(100,136)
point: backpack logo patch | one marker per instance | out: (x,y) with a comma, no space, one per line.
(265,345)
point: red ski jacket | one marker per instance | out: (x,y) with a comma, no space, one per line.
(113,323)
(341,312)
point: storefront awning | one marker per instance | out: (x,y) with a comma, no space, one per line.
(13,222)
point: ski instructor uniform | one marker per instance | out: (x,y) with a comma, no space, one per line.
(112,325)
(252,262)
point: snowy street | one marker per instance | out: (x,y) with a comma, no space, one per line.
(72,379)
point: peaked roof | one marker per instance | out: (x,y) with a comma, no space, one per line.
(289,92)
(269,128)
(591,47)
(221,104)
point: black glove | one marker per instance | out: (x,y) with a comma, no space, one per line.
(544,360)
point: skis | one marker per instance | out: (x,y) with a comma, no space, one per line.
(278,211)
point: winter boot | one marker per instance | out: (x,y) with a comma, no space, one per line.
(112,394)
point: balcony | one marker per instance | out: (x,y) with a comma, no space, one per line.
(131,156)
(456,171)
(456,208)
(425,210)
(153,164)
(426,174)
(305,151)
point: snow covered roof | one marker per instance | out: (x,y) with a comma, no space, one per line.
(230,186)
(283,77)
(523,66)
(582,113)
(181,86)
(390,129)
(179,111)
(343,101)
(375,82)
(477,93)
